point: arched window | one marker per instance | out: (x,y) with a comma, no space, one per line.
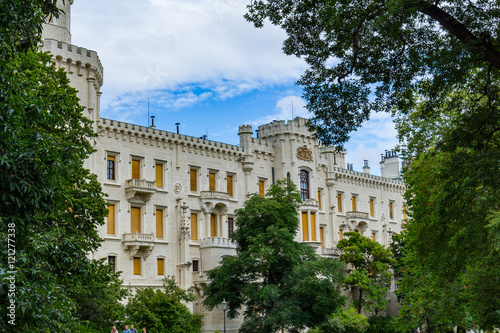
(304,184)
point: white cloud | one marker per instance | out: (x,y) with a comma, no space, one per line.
(287,108)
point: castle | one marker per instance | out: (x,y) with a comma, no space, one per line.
(172,197)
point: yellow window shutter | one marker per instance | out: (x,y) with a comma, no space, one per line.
(136,169)
(135,219)
(313,227)
(230,185)
(341,233)
(354,204)
(160,264)
(159,223)
(322,236)
(404,213)
(319,200)
(159,175)
(372,208)
(137,266)
(373,236)
(339,203)
(391,214)
(111,219)
(261,188)
(194,226)
(193,180)
(305,227)
(213,230)
(211,181)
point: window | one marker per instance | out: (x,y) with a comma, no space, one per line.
(159,223)
(111,224)
(305,227)
(230,226)
(213,226)
(135,219)
(137,266)
(194,226)
(112,263)
(374,236)
(196,265)
(313,227)
(229,187)
(319,200)
(262,190)
(391,210)
(193,180)
(404,213)
(353,199)
(322,236)
(304,184)
(341,233)
(211,181)
(339,203)
(372,207)
(111,167)
(160,264)
(136,168)
(159,174)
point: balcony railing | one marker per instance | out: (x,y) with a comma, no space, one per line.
(138,243)
(215,195)
(144,188)
(356,215)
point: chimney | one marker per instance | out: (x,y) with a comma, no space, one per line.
(389,165)
(366,166)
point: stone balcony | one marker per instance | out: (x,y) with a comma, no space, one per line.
(357,220)
(140,190)
(330,252)
(138,243)
(215,195)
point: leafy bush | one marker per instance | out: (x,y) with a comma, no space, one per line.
(382,324)
(346,321)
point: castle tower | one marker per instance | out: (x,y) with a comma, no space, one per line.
(60,28)
(83,67)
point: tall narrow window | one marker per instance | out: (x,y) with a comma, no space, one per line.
(313,227)
(304,184)
(136,169)
(339,203)
(341,233)
(194,226)
(229,186)
(137,266)
(160,263)
(374,236)
(230,226)
(159,174)
(372,207)
(305,227)
(322,236)
(211,181)
(213,226)
(319,200)
(111,219)
(111,168)
(404,213)
(196,265)
(391,210)
(353,199)
(135,219)
(261,188)
(112,263)
(159,223)
(193,180)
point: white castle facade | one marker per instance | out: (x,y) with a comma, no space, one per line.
(172,197)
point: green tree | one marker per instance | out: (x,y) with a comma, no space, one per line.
(282,284)
(163,310)
(347,320)
(369,277)
(359,49)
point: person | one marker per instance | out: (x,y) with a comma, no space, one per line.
(144,330)
(126,330)
(132,329)
(114,330)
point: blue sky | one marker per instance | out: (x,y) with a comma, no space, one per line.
(201,64)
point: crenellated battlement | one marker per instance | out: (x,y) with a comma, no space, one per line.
(74,58)
(361,178)
(277,127)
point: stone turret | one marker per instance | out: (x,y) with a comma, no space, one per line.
(245,132)
(60,28)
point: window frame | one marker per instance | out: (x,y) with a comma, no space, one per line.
(196,179)
(162,165)
(115,211)
(305,184)
(112,157)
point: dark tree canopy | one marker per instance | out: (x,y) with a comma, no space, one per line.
(282,284)
(375,55)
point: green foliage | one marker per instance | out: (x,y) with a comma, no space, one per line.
(383,324)
(387,49)
(345,321)
(282,283)
(370,276)
(163,310)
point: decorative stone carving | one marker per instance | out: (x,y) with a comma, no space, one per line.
(304,154)
(177,188)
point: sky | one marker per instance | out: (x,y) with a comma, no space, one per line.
(201,64)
